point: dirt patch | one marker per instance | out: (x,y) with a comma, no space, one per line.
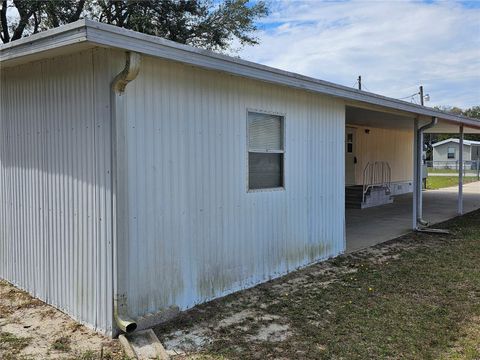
(236,318)
(272,333)
(31,329)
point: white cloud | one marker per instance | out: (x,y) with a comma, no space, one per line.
(395,45)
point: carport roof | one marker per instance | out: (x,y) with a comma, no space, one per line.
(84,34)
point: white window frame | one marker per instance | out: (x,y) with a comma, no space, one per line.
(454,153)
(284,121)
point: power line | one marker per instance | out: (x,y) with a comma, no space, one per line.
(407,97)
(366,88)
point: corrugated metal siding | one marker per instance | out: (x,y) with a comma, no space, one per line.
(195,231)
(55,198)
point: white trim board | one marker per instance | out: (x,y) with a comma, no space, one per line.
(98,34)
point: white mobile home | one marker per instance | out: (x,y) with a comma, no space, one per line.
(140,177)
(446,154)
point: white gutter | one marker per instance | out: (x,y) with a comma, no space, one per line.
(98,34)
(120,191)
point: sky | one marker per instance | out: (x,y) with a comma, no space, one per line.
(395,45)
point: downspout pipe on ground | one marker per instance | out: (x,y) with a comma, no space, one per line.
(418,172)
(123,322)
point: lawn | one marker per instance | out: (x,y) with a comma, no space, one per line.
(442,171)
(416,297)
(438,182)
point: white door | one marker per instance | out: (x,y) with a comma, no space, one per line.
(350,158)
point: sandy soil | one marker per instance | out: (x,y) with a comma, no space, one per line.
(31,329)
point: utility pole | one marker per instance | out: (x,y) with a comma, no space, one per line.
(421,95)
(359,82)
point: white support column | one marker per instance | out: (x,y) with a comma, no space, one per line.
(415,174)
(460,173)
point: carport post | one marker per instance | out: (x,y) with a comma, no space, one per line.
(460,173)
(415,173)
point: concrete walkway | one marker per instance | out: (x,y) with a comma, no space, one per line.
(375,225)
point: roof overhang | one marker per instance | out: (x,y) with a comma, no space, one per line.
(84,34)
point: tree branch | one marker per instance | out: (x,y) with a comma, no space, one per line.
(4,34)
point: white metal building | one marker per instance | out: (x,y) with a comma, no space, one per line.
(140,177)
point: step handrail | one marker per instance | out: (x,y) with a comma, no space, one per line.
(376,174)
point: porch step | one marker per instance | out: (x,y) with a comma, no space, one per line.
(374,197)
(353,197)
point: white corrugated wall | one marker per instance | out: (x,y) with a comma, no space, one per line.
(55,198)
(195,232)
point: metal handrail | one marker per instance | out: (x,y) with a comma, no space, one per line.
(376,174)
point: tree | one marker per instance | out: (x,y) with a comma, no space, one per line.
(209,24)
(473,112)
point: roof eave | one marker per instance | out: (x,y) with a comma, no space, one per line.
(111,36)
(44,41)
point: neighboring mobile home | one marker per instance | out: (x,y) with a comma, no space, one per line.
(446,154)
(140,177)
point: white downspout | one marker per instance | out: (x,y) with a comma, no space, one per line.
(120,190)
(460,173)
(418,197)
(415,174)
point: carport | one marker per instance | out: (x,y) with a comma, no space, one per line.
(383,154)
(375,225)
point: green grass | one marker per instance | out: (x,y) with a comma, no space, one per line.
(438,182)
(61,344)
(13,343)
(422,301)
(442,171)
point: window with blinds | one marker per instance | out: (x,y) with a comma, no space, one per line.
(451,153)
(265,151)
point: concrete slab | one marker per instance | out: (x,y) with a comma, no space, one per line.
(372,226)
(143,345)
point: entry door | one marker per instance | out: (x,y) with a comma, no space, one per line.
(350,158)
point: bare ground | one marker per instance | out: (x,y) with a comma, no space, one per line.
(31,329)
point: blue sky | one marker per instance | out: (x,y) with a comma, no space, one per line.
(395,45)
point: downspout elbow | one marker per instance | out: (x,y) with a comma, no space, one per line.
(429,125)
(124,322)
(129,73)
